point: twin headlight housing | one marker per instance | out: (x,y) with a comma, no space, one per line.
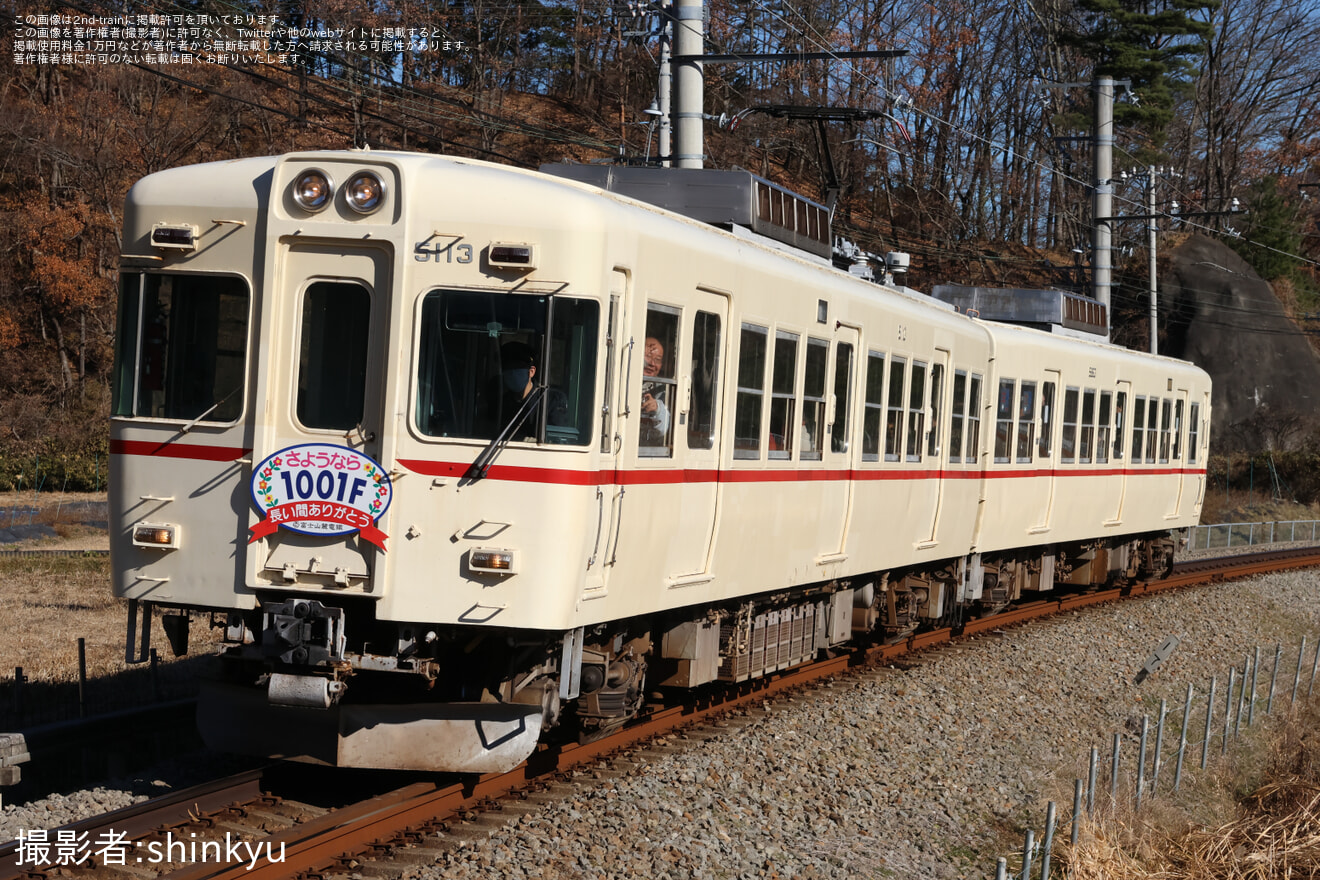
(314,189)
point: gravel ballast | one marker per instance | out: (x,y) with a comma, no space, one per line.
(904,773)
(901,773)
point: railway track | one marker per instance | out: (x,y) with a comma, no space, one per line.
(302,839)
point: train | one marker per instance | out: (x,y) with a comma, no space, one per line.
(457,458)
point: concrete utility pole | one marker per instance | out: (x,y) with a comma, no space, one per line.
(665,88)
(1150,246)
(1102,203)
(689,106)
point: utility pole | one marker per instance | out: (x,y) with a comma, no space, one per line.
(1102,202)
(665,87)
(689,104)
(1150,246)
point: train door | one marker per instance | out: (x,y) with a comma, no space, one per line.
(704,335)
(324,394)
(609,494)
(939,371)
(1176,453)
(1122,402)
(839,452)
(1047,456)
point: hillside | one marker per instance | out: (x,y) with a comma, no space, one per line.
(976,198)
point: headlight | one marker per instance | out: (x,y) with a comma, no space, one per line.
(312,190)
(160,536)
(492,560)
(365,192)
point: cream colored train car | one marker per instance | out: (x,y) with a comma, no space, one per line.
(456,453)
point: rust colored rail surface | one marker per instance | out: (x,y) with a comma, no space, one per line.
(319,845)
(168,811)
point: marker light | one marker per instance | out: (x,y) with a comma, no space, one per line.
(181,237)
(365,192)
(312,190)
(495,561)
(513,255)
(159,536)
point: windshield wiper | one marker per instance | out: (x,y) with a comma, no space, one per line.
(483,462)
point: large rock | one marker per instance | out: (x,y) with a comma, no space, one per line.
(1225,318)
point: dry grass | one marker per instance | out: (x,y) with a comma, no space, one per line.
(1271,829)
(48,604)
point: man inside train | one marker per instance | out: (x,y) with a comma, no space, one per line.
(655,409)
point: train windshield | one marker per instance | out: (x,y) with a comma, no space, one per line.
(182,347)
(482,355)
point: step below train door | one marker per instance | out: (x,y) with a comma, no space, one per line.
(320,483)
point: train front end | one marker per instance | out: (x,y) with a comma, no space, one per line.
(354,409)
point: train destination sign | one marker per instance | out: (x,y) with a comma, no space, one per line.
(321,489)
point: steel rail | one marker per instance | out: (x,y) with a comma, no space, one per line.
(172,810)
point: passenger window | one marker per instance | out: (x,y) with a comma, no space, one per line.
(783,395)
(813,399)
(1138,427)
(842,385)
(1026,421)
(1102,428)
(182,347)
(751,389)
(916,424)
(655,435)
(973,420)
(1068,451)
(1004,420)
(936,404)
(1193,428)
(332,355)
(1165,407)
(959,420)
(1046,418)
(1088,425)
(894,409)
(1120,407)
(1152,429)
(705,381)
(873,417)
